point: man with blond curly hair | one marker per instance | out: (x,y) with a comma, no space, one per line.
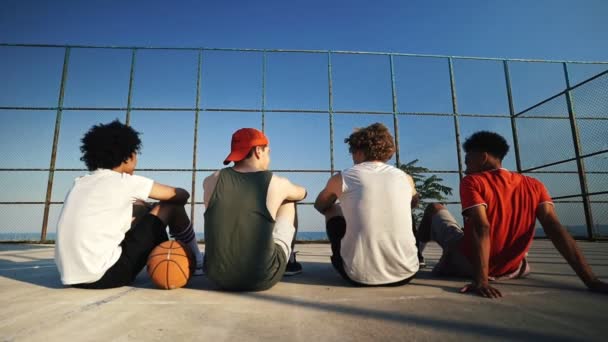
(370,230)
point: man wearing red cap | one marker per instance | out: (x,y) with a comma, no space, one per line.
(250,218)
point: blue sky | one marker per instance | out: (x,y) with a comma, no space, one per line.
(558,30)
(550,29)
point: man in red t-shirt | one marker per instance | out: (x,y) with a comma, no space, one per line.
(500,209)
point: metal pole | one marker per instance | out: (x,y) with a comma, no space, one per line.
(195,141)
(395,111)
(131,77)
(192,48)
(577,152)
(331,114)
(264,91)
(455,112)
(512,113)
(49,187)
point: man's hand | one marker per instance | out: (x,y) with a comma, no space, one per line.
(598,286)
(484,290)
(568,248)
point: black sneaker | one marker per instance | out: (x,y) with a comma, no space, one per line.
(293,267)
(421,262)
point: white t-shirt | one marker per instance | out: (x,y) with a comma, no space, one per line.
(96,214)
(379,246)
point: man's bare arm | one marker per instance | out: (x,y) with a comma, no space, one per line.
(167,193)
(480,230)
(329,195)
(294,192)
(415,194)
(209,186)
(567,247)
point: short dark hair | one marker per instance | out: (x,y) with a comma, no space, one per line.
(485,141)
(375,141)
(106,146)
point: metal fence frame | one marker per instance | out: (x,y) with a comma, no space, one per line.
(513,116)
(579,156)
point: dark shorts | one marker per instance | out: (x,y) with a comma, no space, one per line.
(242,282)
(146,233)
(336,228)
(278,265)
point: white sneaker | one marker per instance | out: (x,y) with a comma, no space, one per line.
(198,271)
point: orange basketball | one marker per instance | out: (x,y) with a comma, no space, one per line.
(169,265)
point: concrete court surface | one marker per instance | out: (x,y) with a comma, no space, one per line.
(317,305)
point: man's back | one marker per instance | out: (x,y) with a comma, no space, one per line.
(379,245)
(94,219)
(239,244)
(511,200)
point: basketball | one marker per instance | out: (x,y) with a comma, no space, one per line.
(169,265)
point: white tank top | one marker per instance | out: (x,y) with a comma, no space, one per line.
(379,246)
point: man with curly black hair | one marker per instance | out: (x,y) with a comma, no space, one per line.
(106,230)
(370,230)
(500,209)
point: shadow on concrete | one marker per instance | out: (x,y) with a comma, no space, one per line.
(323,273)
(43,271)
(317,273)
(434,323)
(37,271)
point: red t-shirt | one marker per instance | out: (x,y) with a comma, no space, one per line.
(511,200)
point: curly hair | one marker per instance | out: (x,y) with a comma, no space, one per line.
(375,141)
(485,141)
(106,146)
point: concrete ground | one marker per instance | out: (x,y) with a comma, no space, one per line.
(317,305)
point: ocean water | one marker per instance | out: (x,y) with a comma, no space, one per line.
(302,236)
(312,236)
(576,231)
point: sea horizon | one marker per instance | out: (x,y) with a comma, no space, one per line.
(576,231)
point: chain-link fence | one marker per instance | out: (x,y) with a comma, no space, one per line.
(188,101)
(563,142)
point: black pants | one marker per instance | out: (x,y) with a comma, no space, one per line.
(146,233)
(336,229)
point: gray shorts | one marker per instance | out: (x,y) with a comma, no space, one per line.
(445,230)
(283,234)
(448,234)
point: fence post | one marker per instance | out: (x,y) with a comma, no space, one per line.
(195,141)
(264,91)
(455,112)
(331,113)
(49,187)
(130,96)
(582,175)
(395,120)
(512,114)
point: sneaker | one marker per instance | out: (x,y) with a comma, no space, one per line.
(293,267)
(421,262)
(198,270)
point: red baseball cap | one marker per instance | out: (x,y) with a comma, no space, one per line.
(243,141)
